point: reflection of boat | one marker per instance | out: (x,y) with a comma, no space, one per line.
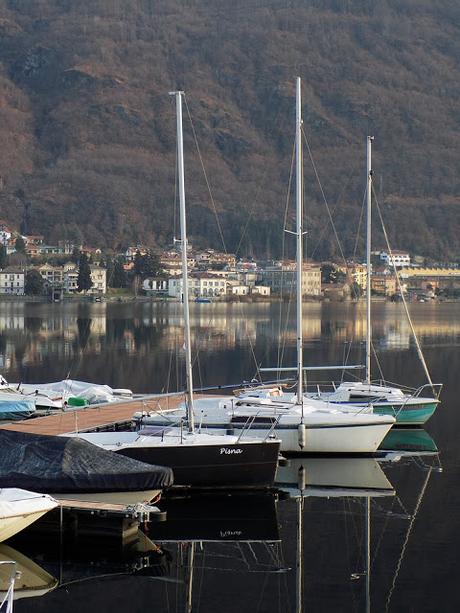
(223,517)
(20,508)
(236,534)
(8,569)
(32,579)
(85,559)
(333,477)
(412,440)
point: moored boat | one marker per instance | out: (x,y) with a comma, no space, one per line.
(198,459)
(302,426)
(19,508)
(72,468)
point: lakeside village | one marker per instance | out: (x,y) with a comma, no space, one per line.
(29,267)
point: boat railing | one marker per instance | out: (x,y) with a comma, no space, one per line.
(250,422)
(434,387)
(385,383)
(6,604)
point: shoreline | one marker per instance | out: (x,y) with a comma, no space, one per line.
(5,298)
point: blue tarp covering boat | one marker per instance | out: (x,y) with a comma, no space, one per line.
(15,406)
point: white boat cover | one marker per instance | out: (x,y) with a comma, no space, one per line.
(91,392)
(15,501)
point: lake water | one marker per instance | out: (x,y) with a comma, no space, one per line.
(373,536)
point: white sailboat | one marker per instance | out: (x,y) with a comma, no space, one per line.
(409,408)
(307,426)
(198,459)
(20,508)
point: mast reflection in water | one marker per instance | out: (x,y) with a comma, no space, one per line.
(392,548)
(334,536)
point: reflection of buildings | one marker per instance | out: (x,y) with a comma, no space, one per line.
(34,335)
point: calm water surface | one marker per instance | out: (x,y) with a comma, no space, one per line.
(385,538)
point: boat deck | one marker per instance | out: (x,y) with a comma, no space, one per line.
(94,418)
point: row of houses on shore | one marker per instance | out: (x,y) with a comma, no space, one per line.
(57,278)
(277,279)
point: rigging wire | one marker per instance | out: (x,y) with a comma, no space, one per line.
(403,298)
(379,366)
(359,223)
(324,197)
(406,540)
(214,208)
(282,337)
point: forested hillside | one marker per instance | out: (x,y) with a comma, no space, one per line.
(87,128)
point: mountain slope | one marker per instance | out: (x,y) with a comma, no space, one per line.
(88,130)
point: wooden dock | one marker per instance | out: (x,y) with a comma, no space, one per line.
(93,418)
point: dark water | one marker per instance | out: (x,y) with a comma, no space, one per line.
(393,547)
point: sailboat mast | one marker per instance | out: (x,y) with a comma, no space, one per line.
(368,259)
(299,236)
(183,242)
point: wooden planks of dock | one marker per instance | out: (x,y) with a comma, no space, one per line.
(90,418)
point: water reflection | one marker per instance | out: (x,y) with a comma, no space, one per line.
(110,342)
(337,534)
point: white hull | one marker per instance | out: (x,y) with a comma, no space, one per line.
(327,429)
(125,498)
(19,509)
(329,440)
(12,525)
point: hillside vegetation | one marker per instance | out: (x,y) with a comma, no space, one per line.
(87,128)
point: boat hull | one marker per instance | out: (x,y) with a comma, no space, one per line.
(352,437)
(126,498)
(20,508)
(319,440)
(9,526)
(245,465)
(414,414)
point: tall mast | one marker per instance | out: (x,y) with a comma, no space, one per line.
(183,242)
(368,259)
(299,237)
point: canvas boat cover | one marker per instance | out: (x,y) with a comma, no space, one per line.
(61,464)
(91,392)
(15,406)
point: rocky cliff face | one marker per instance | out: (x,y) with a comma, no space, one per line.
(88,133)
